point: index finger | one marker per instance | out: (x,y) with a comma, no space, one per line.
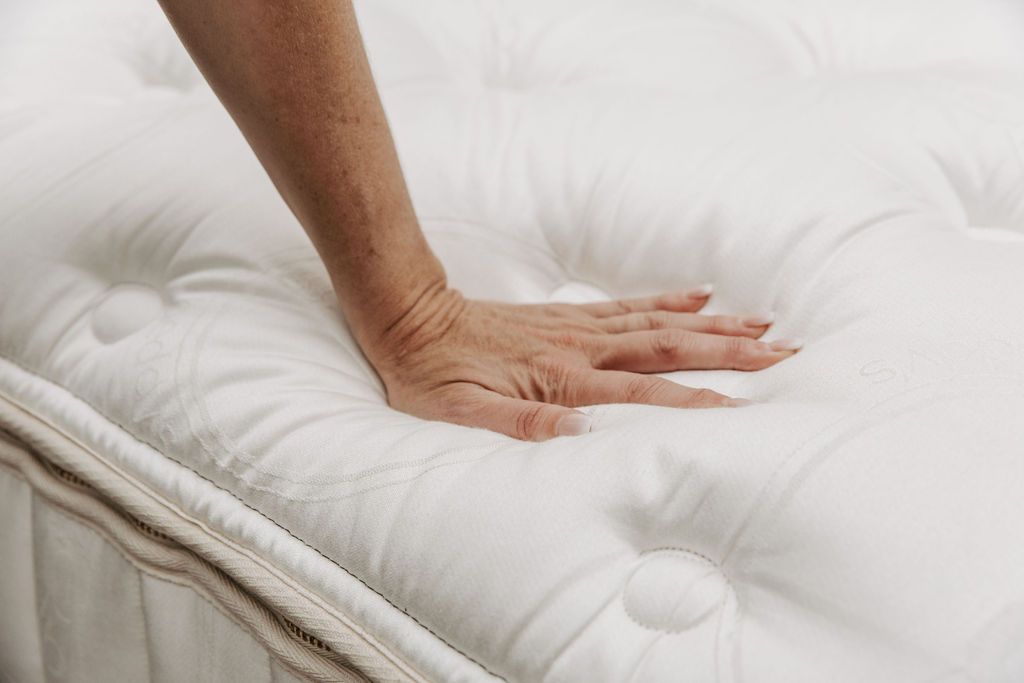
(678,302)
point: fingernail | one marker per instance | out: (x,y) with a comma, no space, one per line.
(702,292)
(793,344)
(759,320)
(739,402)
(573,424)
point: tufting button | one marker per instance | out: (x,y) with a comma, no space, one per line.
(673,589)
(124,309)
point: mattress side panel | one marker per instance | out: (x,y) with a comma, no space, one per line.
(20,646)
(100,617)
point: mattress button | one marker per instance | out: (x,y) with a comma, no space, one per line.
(124,309)
(674,589)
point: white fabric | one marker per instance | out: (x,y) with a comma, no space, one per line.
(855,166)
(166,542)
(88,614)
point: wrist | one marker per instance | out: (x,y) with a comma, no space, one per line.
(386,293)
(421,322)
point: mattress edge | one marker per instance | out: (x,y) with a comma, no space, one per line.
(355,654)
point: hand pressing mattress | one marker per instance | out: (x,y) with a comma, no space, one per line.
(169,338)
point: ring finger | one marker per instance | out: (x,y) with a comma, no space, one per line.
(669,350)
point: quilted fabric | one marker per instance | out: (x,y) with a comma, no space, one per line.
(85,613)
(856,166)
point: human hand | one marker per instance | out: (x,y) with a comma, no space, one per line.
(512,369)
(519,369)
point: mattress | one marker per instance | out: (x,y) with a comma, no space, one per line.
(199,472)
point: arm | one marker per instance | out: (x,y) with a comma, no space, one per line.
(295,78)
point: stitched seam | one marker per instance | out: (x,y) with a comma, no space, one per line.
(839,425)
(231,452)
(765,491)
(146,631)
(260,513)
(164,573)
(141,567)
(42,446)
(704,558)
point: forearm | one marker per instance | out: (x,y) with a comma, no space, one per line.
(295,78)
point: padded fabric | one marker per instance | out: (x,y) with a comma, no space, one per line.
(856,166)
(74,609)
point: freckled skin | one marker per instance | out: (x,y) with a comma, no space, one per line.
(294,76)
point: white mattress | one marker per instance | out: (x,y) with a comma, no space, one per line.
(90,594)
(855,166)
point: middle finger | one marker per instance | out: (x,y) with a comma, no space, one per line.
(742,326)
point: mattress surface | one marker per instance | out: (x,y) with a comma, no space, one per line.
(855,166)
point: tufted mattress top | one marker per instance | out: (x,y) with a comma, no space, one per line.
(856,166)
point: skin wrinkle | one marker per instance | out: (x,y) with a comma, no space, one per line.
(296,80)
(290,68)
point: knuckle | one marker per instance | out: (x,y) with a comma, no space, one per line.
(603,352)
(620,307)
(554,381)
(703,397)
(744,353)
(576,338)
(566,385)
(667,343)
(567,340)
(656,320)
(720,324)
(641,390)
(737,348)
(528,422)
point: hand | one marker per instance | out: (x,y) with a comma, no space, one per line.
(315,121)
(515,369)
(328,150)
